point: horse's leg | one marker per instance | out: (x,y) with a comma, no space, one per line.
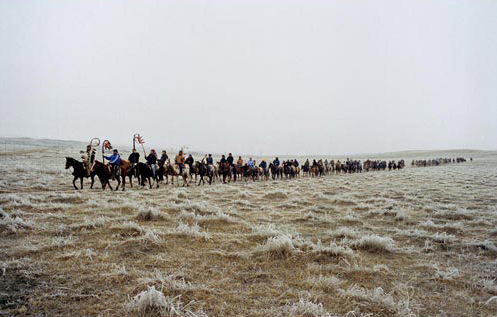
(131,180)
(74,182)
(92,181)
(124,182)
(81,182)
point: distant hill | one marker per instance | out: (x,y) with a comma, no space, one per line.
(9,144)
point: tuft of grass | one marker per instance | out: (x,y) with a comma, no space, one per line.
(344,232)
(443,238)
(460,214)
(150,214)
(448,274)
(375,243)
(333,249)
(129,228)
(302,308)
(376,296)
(193,230)
(280,246)
(152,302)
(325,283)
(13,224)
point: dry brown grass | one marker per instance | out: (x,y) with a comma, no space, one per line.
(416,242)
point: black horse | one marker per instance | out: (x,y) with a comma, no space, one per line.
(203,172)
(276,171)
(144,172)
(79,172)
(104,174)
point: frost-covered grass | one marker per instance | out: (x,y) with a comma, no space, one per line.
(302,308)
(193,230)
(460,214)
(153,302)
(129,228)
(332,249)
(345,245)
(14,224)
(326,283)
(278,247)
(375,296)
(150,214)
(374,243)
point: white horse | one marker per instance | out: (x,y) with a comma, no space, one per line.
(174,171)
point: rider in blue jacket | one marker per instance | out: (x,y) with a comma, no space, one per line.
(115,162)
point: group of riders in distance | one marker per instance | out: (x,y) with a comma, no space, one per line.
(158,169)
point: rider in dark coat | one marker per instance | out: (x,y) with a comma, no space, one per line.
(230,159)
(189,160)
(263,164)
(151,161)
(134,157)
(163,158)
(276,162)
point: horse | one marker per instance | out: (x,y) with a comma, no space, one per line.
(224,169)
(276,171)
(203,171)
(265,173)
(248,172)
(194,169)
(238,171)
(103,172)
(144,172)
(306,170)
(174,171)
(125,166)
(79,171)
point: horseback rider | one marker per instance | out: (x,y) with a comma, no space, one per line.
(180,160)
(163,158)
(295,163)
(210,162)
(88,158)
(134,157)
(230,159)
(276,162)
(151,161)
(115,162)
(223,159)
(189,160)
(263,164)
(240,161)
(251,164)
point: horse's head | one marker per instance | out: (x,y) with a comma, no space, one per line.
(69,162)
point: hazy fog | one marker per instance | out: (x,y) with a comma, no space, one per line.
(322,77)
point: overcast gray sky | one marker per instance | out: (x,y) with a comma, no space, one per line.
(300,77)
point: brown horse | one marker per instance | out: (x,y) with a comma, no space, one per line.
(104,173)
(224,169)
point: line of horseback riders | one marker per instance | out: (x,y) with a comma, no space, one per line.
(156,169)
(438,161)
